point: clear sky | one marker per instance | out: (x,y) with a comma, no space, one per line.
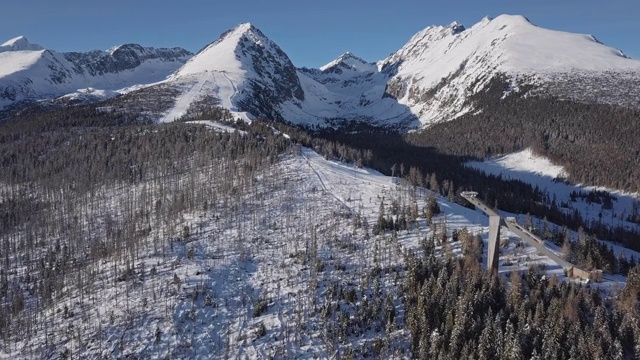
(312,33)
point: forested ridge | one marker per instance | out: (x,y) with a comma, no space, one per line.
(80,186)
(456,311)
(597,144)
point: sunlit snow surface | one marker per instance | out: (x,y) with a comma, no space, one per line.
(520,164)
(508,44)
(30,72)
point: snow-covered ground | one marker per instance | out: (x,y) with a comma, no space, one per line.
(523,165)
(252,277)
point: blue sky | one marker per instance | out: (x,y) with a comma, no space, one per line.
(312,33)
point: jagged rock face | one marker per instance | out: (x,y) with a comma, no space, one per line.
(272,66)
(124,57)
(276,80)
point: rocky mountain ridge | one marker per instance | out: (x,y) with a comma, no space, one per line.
(432,78)
(30,72)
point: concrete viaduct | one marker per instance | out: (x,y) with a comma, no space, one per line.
(495,222)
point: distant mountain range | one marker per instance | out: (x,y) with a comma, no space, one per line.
(30,72)
(432,78)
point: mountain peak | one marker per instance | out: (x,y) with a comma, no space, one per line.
(124,47)
(228,51)
(456,27)
(244,27)
(19,43)
(347,60)
(506,19)
(234,35)
(350,55)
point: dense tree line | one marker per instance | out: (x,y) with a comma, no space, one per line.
(456,311)
(597,144)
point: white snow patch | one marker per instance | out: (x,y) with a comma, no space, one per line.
(521,162)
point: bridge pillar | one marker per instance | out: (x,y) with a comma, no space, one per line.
(493,258)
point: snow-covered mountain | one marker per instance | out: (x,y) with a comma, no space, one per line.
(442,66)
(245,70)
(19,43)
(431,78)
(253,77)
(31,72)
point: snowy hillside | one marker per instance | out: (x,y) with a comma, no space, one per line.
(30,72)
(250,280)
(541,172)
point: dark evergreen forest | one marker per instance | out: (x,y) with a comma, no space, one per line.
(597,144)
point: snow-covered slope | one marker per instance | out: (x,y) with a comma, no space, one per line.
(30,72)
(539,171)
(197,297)
(441,66)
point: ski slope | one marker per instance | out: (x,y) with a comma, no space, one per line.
(184,101)
(218,83)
